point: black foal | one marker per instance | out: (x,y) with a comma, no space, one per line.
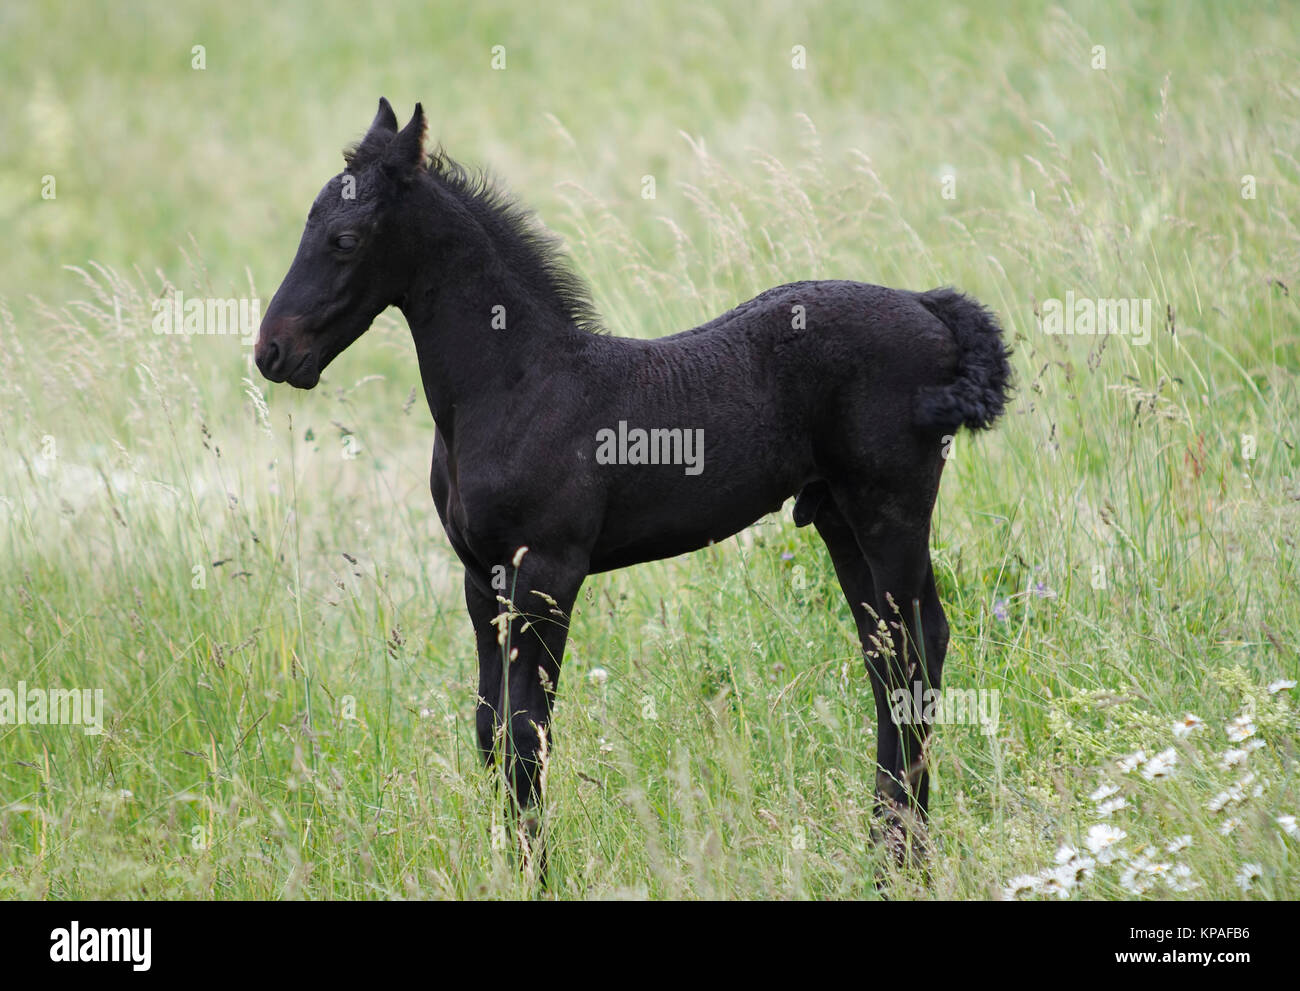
(595,452)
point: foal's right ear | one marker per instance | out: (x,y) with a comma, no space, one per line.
(406,154)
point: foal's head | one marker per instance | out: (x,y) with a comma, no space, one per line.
(353,260)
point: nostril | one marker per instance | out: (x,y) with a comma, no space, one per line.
(275,349)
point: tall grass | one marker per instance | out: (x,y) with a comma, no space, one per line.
(258,582)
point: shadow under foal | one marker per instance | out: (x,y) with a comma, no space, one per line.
(577,445)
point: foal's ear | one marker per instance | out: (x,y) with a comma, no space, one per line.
(385,119)
(406,154)
(380,135)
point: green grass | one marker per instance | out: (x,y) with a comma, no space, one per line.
(301,726)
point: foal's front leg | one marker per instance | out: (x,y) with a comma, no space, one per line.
(521,631)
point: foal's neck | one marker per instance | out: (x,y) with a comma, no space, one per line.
(484,317)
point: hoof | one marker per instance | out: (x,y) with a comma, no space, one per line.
(532,846)
(901,829)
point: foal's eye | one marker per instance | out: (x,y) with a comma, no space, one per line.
(345,242)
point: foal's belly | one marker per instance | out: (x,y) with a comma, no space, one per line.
(633,532)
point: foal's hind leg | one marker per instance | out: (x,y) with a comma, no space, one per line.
(934,630)
(908,603)
(887,539)
(859,588)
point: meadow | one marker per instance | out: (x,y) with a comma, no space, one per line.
(256,579)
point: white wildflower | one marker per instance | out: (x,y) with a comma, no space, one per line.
(1113,805)
(1101,840)
(1140,875)
(1082,867)
(1160,765)
(1023,884)
(1132,762)
(1103,792)
(1233,757)
(1135,880)
(1180,879)
(1248,875)
(1157,870)
(1236,756)
(1057,881)
(1241,728)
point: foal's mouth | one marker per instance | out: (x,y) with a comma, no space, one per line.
(305,374)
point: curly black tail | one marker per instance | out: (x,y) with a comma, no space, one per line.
(978,394)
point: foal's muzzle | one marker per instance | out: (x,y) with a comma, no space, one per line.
(277,358)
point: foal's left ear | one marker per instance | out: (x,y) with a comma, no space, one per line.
(382,131)
(405,155)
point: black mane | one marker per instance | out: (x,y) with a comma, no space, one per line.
(532,254)
(529,253)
